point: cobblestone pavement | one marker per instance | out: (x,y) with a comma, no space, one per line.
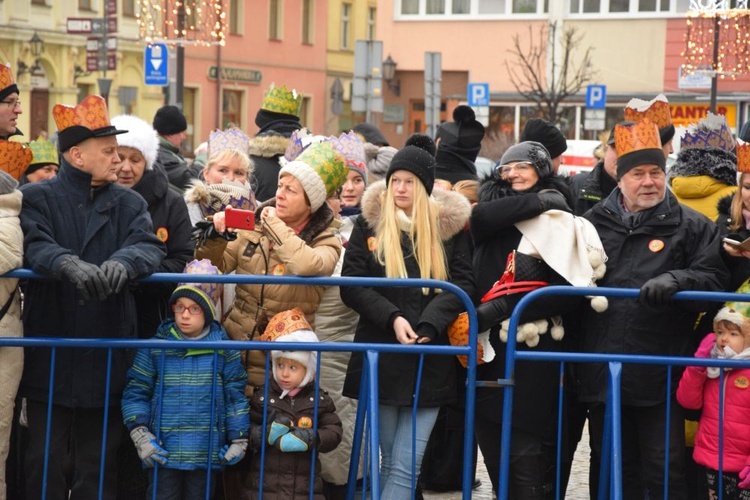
(578,488)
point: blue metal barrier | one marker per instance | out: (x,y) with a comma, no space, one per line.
(371,352)
(611,460)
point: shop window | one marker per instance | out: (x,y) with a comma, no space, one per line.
(231,109)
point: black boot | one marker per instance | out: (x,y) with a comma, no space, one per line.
(491,313)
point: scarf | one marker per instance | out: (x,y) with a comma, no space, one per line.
(725,353)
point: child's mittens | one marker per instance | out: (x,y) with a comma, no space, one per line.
(276,429)
(745,478)
(231,454)
(148,449)
(704,350)
(297,440)
(279,428)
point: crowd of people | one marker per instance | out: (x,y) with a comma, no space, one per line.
(112,201)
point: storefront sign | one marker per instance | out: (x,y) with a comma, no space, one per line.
(241,75)
(685,114)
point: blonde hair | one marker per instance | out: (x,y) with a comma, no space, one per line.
(426,244)
(468,188)
(735,210)
(229,154)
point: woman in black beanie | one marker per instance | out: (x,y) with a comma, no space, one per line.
(407,231)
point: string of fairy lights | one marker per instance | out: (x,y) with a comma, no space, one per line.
(182,22)
(732,20)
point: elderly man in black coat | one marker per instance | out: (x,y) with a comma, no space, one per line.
(89,238)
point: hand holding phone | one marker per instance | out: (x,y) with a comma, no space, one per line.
(239,219)
(731,242)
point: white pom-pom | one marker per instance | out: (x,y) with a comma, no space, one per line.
(557,332)
(541,326)
(599,271)
(520,336)
(529,330)
(599,303)
(504,331)
(595,258)
(533,342)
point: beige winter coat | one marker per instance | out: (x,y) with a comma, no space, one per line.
(273,249)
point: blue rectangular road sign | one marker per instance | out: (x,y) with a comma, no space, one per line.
(155,65)
(596,96)
(478,94)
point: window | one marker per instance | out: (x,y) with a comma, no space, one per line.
(461,8)
(629,6)
(524,6)
(231,108)
(38,2)
(84,4)
(372,16)
(274,19)
(235,17)
(346,11)
(491,6)
(128,8)
(436,6)
(410,6)
(308,20)
(305,112)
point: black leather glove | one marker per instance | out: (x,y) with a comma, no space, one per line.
(550,199)
(204,230)
(491,313)
(88,278)
(117,275)
(658,291)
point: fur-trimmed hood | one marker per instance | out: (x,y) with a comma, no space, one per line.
(724,206)
(268,145)
(493,188)
(715,163)
(452,218)
(319,220)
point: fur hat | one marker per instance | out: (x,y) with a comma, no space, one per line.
(735,317)
(169,120)
(463,135)
(714,162)
(308,359)
(320,169)
(417,161)
(205,295)
(531,152)
(140,136)
(547,134)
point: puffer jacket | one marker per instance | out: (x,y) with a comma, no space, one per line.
(698,392)
(378,307)
(671,239)
(185,393)
(699,178)
(265,151)
(286,476)
(272,248)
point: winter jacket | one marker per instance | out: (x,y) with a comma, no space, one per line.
(64,217)
(495,235)
(178,171)
(589,188)
(671,238)
(739,267)
(286,476)
(266,150)
(378,307)
(695,392)
(699,178)
(177,409)
(11,358)
(172,226)
(272,248)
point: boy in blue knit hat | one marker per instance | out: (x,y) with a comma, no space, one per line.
(171,393)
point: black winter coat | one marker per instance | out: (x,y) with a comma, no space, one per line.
(589,188)
(172,226)
(495,236)
(739,267)
(265,151)
(674,239)
(171,161)
(379,307)
(66,216)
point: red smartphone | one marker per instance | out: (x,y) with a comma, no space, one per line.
(240,219)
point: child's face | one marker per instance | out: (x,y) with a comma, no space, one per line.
(191,320)
(289,373)
(730,335)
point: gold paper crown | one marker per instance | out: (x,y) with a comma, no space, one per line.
(15,158)
(328,163)
(711,132)
(90,113)
(232,138)
(637,136)
(657,110)
(282,100)
(6,77)
(44,151)
(284,323)
(743,157)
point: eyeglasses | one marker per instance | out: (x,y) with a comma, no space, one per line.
(519,167)
(194,310)
(12,103)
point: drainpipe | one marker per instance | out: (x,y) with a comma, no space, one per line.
(218,87)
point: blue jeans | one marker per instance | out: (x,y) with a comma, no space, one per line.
(173,484)
(395,448)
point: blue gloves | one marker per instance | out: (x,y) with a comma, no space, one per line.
(231,454)
(296,440)
(148,449)
(283,435)
(276,429)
